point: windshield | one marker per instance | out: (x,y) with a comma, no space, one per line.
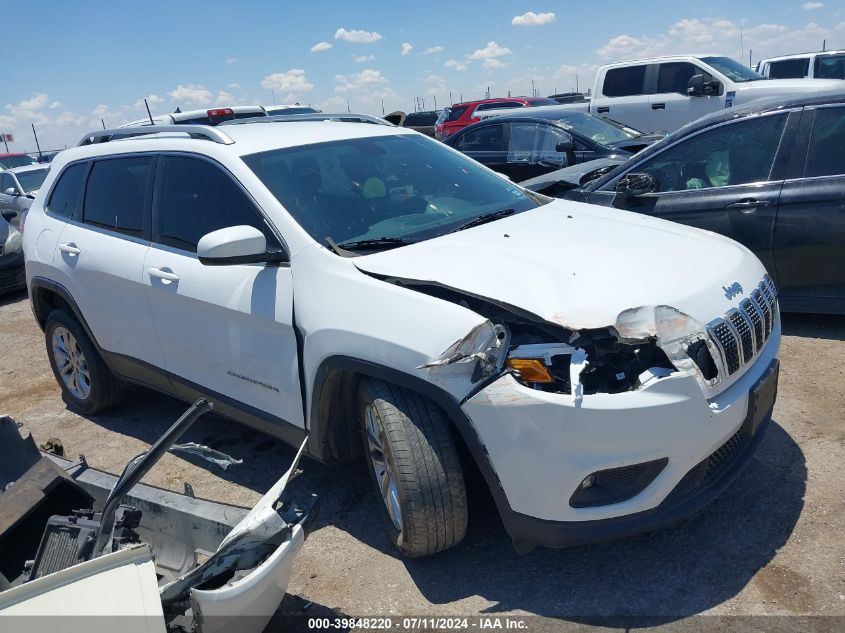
(399,186)
(732,69)
(31,180)
(23,160)
(599,130)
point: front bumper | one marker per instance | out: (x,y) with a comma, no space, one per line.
(543,445)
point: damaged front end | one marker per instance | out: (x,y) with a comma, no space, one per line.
(643,345)
(207,564)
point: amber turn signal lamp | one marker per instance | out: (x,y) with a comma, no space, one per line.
(530,369)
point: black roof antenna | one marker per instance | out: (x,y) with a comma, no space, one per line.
(149,114)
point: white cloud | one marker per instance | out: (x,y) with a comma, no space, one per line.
(224,98)
(55,104)
(357,81)
(234,86)
(406,48)
(812,6)
(357,37)
(436,84)
(69,119)
(153,100)
(294,81)
(231,60)
(490,51)
(493,64)
(319,47)
(432,50)
(533,19)
(455,64)
(366,87)
(36,103)
(190,95)
(363,58)
(716,34)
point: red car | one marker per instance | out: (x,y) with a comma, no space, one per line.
(457,116)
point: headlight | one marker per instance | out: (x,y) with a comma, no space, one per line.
(483,346)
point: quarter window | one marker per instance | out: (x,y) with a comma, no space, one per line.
(734,154)
(66,192)
(116,193)
(198,198)
(825,157)
(624,82)
(675,76)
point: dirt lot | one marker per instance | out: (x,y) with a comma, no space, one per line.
(772,544)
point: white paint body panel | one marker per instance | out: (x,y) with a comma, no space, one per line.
(118,589)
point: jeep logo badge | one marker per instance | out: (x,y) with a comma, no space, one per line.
(733,290)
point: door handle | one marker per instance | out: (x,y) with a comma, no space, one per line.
(749,206)
(658,106)
(603,109)
(163,274)
(70,248)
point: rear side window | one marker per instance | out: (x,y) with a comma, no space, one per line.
(830,67)
(624,82)
(675,76)
(826,157)
(789,68)
(197,198)
(116,193)
(66,192)
(490,138)
(455,112)
(502,105)
(420,119)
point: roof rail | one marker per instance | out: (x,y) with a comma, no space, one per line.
(203,132)
(287,118)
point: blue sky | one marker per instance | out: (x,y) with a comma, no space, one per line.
(82,61)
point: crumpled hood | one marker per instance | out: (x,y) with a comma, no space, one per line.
(581,265)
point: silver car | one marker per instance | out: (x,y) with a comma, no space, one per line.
(18,187)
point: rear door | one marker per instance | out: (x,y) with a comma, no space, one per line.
(670,106)
(725,179)
(809,236)
(624,97)
(226,331)
(100,255)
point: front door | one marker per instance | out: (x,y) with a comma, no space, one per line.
(670,105)
(226,331)
(809,236)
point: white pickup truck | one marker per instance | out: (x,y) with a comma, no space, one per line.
(664,93)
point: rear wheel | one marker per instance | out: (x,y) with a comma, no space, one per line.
(415,467)
(88,386)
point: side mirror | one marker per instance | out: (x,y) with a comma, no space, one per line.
(11,191)
(702,85)
(632,185)
(567,147)
(233,245)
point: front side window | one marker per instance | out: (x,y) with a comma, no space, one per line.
(789,68)
(624,82)
(66,192)
(734,154)
(830,67)
(116,193)
(197,198)
(490,138)
(32,180)
(675,76)
(401,187)
(453,114)
(826,156)
(535,143)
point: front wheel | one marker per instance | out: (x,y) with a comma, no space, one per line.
(415,467)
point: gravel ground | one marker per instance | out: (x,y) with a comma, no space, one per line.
(773,544)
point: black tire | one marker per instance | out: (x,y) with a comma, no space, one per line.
(421,457)
(106,389)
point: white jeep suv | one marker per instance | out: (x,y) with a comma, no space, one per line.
(368,287)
